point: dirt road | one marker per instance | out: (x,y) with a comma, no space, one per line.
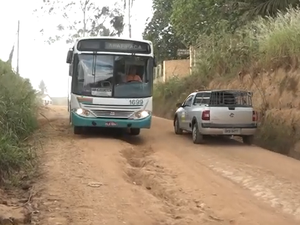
(160,179)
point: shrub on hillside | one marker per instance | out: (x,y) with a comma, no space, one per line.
(17,119)
(264,42)
(278,38)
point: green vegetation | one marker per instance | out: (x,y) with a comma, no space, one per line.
(247,41)
(17,121)
(260,45)
(166,42)
(178,23)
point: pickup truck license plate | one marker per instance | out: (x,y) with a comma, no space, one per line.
(232,131)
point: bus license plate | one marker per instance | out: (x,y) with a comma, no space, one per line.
(232,131)
(109,124)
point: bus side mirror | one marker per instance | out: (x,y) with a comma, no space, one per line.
(69,57)
(154,62)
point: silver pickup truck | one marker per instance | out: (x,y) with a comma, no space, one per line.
(217,112)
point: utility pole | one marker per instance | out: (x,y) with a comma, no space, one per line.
(129,17)
(18,46)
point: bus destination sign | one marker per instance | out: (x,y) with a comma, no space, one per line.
(135,47)
(108,45)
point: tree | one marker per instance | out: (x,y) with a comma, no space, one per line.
(42,87)
(91,19)
(118,24)
(194,17)
(127,4)
(161,33)
(186,20)
(271,7)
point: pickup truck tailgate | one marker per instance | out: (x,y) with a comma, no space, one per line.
(231,116)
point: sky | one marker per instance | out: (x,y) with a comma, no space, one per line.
(39,60)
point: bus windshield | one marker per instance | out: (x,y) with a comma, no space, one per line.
(120,76)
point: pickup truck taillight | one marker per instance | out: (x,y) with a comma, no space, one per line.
(206,115)
(254,116)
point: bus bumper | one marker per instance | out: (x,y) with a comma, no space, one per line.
(110,122)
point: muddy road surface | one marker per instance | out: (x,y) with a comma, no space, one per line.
(160,178)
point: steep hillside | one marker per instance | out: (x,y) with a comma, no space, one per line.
(276,95)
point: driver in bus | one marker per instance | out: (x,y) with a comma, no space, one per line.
(132,75)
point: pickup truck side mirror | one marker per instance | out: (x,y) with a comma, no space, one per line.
(178,105)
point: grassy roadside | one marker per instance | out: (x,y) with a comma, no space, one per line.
(256,50)
(17,121)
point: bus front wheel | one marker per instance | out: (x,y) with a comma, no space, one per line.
(78,130)
(134,131)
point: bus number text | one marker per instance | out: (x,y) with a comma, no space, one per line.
(136,102)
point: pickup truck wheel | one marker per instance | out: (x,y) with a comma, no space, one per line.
(248,140)
(176,127)
(197,137)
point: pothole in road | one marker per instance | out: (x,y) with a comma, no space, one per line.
(138,158)
(144,171)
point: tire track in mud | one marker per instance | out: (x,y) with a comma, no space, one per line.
(144,170)
(272,189)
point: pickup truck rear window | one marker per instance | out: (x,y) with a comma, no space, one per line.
(224,98)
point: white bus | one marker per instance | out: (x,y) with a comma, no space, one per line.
(100,95)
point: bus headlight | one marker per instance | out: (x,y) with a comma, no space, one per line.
(83,112)
(142,114)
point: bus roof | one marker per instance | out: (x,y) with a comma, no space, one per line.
(113,38)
